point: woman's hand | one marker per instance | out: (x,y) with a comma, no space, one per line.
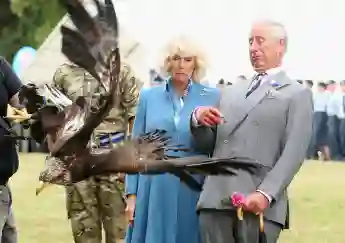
(130,208)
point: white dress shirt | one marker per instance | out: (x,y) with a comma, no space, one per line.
(341,112)
(320,100)
(269,73)
(335,103)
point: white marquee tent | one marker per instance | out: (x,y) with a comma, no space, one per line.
(49,57)
(316,39)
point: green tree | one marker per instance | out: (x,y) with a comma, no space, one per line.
(28,22)
(8,22)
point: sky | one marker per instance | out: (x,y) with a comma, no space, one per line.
(315,30)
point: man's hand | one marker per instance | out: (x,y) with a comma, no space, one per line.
(208,116)
(130,208)
(256,203)
(17,115)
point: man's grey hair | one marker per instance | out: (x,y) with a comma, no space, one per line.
(278,28)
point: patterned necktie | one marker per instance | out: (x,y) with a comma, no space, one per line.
(255,83)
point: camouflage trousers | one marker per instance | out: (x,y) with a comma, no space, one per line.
(94,203)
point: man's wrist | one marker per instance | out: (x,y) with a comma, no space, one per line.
(268,197)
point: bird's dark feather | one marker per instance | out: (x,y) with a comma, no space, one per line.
(75,48)
(82,20)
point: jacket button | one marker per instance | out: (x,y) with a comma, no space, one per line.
(226,141)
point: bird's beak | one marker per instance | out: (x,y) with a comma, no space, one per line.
(40,188)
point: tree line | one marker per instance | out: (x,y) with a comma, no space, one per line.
(26,23)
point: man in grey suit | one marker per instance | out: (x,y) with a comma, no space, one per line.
(268,119)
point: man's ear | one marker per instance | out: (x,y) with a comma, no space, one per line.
(283,43)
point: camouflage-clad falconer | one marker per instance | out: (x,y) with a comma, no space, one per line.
(98,200)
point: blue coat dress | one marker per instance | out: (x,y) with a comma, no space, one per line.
(165,207)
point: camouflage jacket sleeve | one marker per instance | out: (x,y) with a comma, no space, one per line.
(130,90)
(70,79)
(60,77)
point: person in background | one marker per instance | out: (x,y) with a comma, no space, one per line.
(241,78)
(160,208)
(155,77)
(96,203)
(220,84)
(341,116)
(10,85)
(309,84)
(228,84)
(333,105)
(320,130)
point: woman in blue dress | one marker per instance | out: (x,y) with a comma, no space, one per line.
(162,208)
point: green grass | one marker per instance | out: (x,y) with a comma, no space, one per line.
(39,219)
(317,205)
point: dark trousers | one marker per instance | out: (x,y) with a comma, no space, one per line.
(8,232)
(319,135)
(333,124)
(342,136)
(218,227)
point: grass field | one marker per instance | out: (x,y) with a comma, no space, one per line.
(317,195)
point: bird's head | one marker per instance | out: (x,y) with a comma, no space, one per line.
(29,97)
(55,172)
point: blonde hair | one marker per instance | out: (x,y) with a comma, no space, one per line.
(184,45)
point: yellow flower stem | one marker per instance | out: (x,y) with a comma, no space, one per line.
(262,224)
(240,213)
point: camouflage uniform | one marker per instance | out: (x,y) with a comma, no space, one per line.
(98,200)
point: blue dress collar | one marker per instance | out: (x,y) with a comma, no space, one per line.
(168,86)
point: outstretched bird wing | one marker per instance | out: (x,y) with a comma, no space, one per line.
(184,168)
(94,38)
(150,147)
(147,155)
(122,159)
(93,46)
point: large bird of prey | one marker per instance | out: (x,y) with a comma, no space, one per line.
(68,125)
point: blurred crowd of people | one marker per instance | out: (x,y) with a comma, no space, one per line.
(328,139)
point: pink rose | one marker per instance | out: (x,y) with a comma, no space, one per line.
(238,199)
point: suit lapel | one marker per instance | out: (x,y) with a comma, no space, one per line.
(274,82)
(241,106)
(234,105)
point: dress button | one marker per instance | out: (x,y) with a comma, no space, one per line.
(226,141)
